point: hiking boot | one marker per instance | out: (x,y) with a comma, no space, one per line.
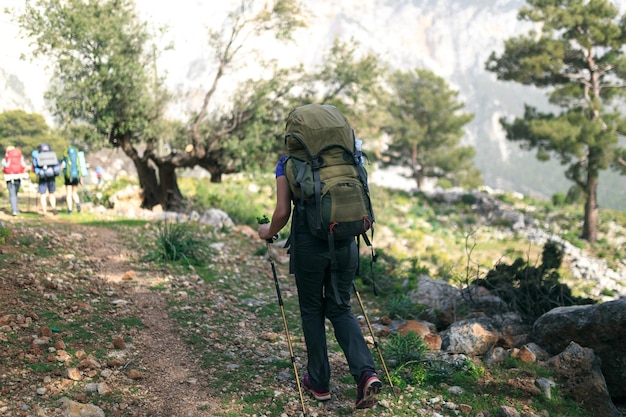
(54,212)
(78,207)
(319,395)
(69,211)
(367,390)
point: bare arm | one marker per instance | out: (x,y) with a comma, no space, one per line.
(282,211)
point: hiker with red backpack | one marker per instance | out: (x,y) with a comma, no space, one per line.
(323,252)
(14,168)
(47,167)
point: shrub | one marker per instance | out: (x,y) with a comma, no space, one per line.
(378,273)
(529,290)
(559,199)
(402,350)
(177,241)
(468,199)
(574,239)
(402,307)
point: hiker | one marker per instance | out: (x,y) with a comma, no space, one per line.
(99,173)
(47,167)
(14,168)
(70,164)
(319,298)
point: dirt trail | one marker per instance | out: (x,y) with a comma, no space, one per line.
(173,382)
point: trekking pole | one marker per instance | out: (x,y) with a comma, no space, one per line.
(282,312)
(376,345)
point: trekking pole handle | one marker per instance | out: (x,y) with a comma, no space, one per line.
(265,220)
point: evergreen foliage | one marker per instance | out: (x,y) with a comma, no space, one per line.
(426,128)
(577,56)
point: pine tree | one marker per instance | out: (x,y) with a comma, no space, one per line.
(576,54)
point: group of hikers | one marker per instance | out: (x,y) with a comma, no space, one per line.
(47,166)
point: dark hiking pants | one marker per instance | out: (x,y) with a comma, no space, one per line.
(318,301)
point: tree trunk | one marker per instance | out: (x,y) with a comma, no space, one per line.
(215,171)
(590,225)
(147,174)
(216,178)
(417,169)
(170,196)
(148,183)
(419,179)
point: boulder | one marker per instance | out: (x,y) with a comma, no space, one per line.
(439,297)
(472,337)
(601,327)
(579,370)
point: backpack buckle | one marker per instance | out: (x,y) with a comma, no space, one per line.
(316,162)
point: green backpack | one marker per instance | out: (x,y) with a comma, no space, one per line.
(326,175)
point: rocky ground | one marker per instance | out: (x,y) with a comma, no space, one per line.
(65,287)
(88,328)
(92,260)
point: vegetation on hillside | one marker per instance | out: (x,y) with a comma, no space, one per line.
(101,48)
(212,302)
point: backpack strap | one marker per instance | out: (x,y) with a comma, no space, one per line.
(300,207)
(317,184)
(316,164)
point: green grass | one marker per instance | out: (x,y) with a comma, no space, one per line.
(119,224)
(43,367)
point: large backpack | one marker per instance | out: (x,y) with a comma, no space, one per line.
(46,162)
(325,173)
(72,166)
(14,160)
(327,179)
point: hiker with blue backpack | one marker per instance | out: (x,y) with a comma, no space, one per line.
(323,174)
(72,171)
(47,167)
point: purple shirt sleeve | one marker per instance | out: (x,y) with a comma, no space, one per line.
(280,166)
